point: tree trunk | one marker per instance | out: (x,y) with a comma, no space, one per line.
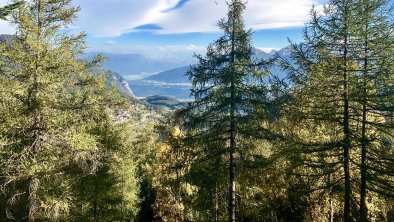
(331,213)
(232,181)
(346,131)
(216,204)
(363,184)
(232,132)
(32,107)
(33,205)
(331,209)
(95,201)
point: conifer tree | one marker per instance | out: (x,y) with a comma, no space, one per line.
(6,10)
(324,76)
(227,89)
(342,80)
(55,127)
(375,39)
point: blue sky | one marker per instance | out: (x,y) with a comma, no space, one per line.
(178,28)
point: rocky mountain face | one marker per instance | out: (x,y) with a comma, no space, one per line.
(120,83)
(6,39)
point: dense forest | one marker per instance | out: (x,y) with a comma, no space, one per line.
(316,145)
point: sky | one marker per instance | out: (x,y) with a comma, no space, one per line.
(178,28)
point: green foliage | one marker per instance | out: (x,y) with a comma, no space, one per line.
(229,92)
(111,193)
(6,10)
(341,83)
(56,134)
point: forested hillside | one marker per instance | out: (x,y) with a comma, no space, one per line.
(303,134)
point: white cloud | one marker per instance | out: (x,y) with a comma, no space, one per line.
(110,18)
(115,17)
(202,15)
(100,18)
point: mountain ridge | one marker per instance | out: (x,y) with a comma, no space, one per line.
(134,65)
(171,76)
(175,82)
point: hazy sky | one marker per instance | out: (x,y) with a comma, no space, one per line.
(178,28)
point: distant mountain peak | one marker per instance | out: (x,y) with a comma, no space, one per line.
(269,51)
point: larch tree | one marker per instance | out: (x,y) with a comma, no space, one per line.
(342,77)
(227,88)
(6,10)
(323,78)
(375,40)
(53,109)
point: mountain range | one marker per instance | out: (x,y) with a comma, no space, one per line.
(175,83)
(136,75)
(137,66)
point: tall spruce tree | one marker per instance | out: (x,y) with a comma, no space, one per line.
(227,89)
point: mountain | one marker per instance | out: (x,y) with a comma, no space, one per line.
(260,54)
(136,66)
(175,83)
(177,75)
(171,83)
(120,83)
(6,39)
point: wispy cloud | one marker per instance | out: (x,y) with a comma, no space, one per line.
(115,17)
(109,43)
(177,6)
(102,18)
(202,15)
